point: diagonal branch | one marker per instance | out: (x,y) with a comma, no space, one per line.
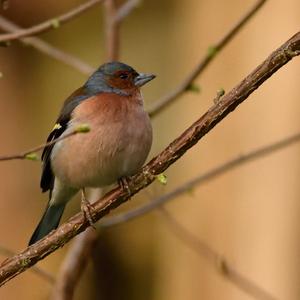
(17,264)
(35,269)
(49,24)
(162,103)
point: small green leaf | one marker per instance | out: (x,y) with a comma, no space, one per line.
(82,128)
(194,88)
(32,156)
(212,51)
(221,92)
(55,23)
(162,178)
(24,262)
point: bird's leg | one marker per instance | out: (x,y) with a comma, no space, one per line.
(86,208)
(123,182)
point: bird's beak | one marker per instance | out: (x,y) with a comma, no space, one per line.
(142,79)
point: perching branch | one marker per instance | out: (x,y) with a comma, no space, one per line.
(212,52)
(198,180)
(49,24)
(36,269)
(78,223)
(49,50)
(31,155)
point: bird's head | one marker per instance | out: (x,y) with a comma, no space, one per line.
(120,76)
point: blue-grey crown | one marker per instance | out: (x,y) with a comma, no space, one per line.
(97,82)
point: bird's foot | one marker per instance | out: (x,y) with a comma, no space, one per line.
(87,209)
(123,182)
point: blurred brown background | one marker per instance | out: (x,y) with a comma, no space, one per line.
(250,215)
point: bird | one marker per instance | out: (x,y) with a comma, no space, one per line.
(116,146)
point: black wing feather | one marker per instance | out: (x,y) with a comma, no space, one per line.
(47,178)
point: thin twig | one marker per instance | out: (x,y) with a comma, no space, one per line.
(19,263)
(36,269)
(49,24)
(200,179)
(215,259)
(162,103)
(30,154)
(48,49)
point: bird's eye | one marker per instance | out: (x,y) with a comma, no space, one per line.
(123,76)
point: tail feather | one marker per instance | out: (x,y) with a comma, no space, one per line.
(49,222)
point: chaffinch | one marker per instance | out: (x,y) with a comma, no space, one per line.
(116,146)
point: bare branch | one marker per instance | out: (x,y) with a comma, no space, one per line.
(162,103)
(13,266)
(49,24)
(48,49)
(215,259)
(200,179)
(36,269)
(30,154)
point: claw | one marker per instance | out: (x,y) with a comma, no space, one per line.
(123,182)
(87,208)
